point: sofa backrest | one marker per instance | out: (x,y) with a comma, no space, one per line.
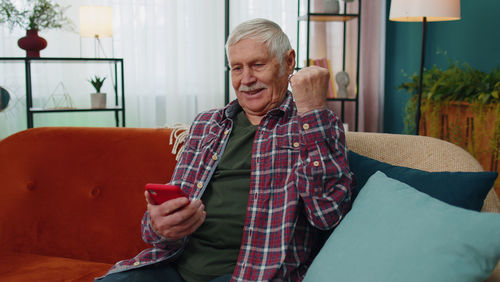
(79,192)
(420,152)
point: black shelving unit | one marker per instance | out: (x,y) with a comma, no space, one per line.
(226,63)
(338,18)
(119,92)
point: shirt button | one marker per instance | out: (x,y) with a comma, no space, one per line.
(296,144)
(200,184)
(305,126)
(214,157)
(315,163)
(226,132)
(136,263)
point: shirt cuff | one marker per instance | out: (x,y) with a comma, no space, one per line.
(318,125)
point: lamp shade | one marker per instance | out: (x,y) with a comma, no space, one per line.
(416,10)
(96,21)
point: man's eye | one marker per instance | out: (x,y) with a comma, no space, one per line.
(235,68)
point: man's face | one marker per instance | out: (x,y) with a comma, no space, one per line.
(257,78)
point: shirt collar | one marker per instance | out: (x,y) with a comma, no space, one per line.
(233,108)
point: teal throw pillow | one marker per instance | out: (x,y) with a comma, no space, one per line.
(395,233)
(462,189)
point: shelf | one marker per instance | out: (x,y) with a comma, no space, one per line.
(60,110)
(118,85)
(341,99)
(343,22)
(323,17)
(67,59)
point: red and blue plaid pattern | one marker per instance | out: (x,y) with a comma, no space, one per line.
(300,184)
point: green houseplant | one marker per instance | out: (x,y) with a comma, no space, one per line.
(35,15)
(98,99)
(97,82)
(456,84)
(460,104)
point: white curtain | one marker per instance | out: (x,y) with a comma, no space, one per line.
(173,58)
(173,53)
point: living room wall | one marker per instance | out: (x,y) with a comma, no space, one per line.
(474,39)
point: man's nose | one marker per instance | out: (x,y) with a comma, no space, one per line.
(248,76)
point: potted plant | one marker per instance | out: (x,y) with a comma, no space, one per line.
(37,15)
(98,99)
(456,85)
(460,104)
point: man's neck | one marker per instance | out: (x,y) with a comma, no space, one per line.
(255,120)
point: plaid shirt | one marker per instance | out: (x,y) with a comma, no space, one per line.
(300,184)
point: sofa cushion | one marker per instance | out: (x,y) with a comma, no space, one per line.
(31,267)
(396,233)
(462,189)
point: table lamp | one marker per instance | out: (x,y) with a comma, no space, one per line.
(96,22)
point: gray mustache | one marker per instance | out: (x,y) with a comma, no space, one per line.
(252,87)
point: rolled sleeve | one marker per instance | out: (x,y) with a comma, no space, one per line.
(323,176)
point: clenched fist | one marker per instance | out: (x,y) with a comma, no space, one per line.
(310,88)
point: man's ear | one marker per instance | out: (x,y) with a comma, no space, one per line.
(290,61)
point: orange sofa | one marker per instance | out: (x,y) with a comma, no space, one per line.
(71,199)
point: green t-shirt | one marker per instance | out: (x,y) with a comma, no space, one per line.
(213,249)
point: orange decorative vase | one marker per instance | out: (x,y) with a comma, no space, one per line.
(32,43)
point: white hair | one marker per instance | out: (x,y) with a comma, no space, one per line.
(264,31)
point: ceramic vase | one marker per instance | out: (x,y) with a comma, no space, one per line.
(32,43)
(331,6)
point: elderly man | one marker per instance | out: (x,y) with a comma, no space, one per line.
(264,175)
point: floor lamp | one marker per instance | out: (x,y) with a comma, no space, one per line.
(423,11)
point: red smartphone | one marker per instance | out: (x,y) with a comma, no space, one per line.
(164,192)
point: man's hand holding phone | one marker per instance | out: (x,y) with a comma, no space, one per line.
(177,216)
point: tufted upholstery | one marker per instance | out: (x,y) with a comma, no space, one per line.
(71,199)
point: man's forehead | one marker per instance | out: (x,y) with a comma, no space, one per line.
(247,47)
